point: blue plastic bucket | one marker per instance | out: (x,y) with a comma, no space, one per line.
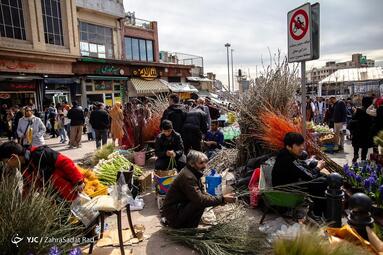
(214,183)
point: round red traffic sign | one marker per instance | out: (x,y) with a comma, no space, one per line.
(299,24)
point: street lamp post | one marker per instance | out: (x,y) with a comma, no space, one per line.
(227,45)
(232,70)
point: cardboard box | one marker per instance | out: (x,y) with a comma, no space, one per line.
(145,181)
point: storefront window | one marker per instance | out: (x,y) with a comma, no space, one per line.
(109,99)
(117,87)
(138,49)
(53,31)
(12,19)
(117,98)
(96,41)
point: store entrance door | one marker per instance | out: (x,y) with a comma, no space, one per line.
(91,99)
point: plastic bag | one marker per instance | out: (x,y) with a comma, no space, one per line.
(83,209)
(137,204)
(254,188)
(121,193)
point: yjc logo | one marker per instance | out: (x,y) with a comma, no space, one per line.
(16,240)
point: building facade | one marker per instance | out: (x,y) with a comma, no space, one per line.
(83,50)
(353,81)
(38,44)
(315,75)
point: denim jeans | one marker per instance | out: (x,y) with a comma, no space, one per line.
(62,134)
(101,136)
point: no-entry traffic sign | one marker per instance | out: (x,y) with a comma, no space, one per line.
(299,34)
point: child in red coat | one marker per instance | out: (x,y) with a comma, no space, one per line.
(44,165)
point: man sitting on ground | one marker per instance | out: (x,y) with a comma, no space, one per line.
(43,165)
(169,145)
(186,199)
(288,169)
(214,139)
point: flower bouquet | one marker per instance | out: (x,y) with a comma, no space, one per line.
(367,177)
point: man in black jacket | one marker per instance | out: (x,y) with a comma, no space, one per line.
(77,120)
(194,127)
(340,118)
(289,169)
(169,145)
(176,113)
(99,119)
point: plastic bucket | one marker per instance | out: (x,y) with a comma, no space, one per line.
(139,158)
(214,184)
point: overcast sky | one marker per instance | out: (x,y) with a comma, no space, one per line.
(202,27)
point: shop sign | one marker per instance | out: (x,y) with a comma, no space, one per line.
(16,65)
(111,70)
(146,73)
(103,86)
(18,86)
(5,96)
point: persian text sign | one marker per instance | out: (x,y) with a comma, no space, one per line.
(147,73)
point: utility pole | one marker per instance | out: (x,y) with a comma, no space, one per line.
(227,45)
(232,70)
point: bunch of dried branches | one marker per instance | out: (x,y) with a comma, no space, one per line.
(224,159)
(233,234)
(274,88)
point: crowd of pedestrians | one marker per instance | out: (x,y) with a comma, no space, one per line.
(357,118)
(192,125)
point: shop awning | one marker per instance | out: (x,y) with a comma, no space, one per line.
(64,81)
(198,79)
(178,87)
(19,77)
(106,78)
(148,88)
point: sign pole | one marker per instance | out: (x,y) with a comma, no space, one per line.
(304,103)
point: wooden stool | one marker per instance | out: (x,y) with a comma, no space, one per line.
(101,218)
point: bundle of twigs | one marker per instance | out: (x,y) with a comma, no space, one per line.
(232,235)
(272,128)
(152,126)
(224,159)
(275,87)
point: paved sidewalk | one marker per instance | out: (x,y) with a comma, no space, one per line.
(76,153)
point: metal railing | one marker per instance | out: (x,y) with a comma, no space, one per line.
(131,20)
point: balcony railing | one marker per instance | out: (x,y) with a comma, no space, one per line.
(135,22)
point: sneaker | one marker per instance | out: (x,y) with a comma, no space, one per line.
(70,147)
(164,222)
(64,141)
(79,146)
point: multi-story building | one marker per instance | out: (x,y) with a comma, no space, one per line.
(315,75)
(38,44)
(100,28)
(84,50)
(347,82)
(136,72)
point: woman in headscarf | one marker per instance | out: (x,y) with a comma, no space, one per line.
(117,117)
